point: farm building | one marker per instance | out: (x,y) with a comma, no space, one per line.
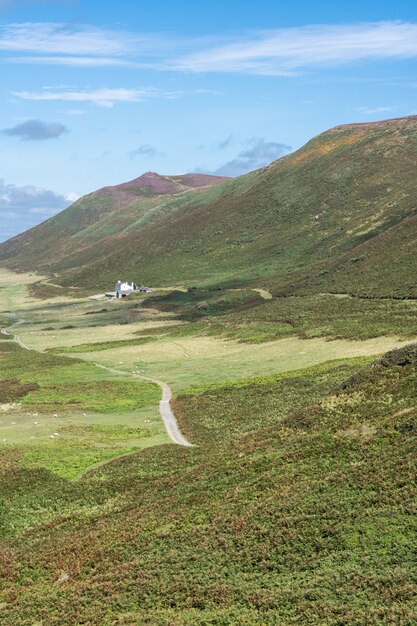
(122,289)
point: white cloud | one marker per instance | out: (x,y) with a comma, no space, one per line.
(12,4)
(74,61)
(105,97)
(24,207)
(72,196)
(285,51)
(375,110)
(68,39)
(280,52)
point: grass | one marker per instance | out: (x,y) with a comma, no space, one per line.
(246,318)
(302,474)
(228,411)
(304,514)
(83,445)
(238,334)
(44,332)
(104,345)
(59,381)
(324,315)
(105,396)
(66,415)
(189,361)
(297,505)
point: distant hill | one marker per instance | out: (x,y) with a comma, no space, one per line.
(338,215)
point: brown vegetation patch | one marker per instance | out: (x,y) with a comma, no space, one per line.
(327,147)
(7,563)
(399,358)
(11,389)
(96,312)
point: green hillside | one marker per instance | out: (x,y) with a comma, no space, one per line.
(276,295)
(100,221)
(341,207)
(296,507)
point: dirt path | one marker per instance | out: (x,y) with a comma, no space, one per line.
(266,295)
(165,411)
(16,338)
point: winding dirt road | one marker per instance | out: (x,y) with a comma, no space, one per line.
(169,419)
(16,338)
(165,411)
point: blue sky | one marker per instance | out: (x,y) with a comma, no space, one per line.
(97,93)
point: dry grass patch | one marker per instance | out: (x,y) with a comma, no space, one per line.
(191,361)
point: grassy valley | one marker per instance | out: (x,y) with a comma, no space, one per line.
(284,319)
(297,478)
(297,505)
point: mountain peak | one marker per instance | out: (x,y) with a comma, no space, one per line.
(160,185)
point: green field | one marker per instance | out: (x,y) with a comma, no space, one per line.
(298,481)
(63,414)
(296,504)
(66,415)
(238,333)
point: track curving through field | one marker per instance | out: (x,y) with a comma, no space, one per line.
(165,411)
(16,338)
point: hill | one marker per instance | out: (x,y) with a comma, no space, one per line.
(296,503)
(341,207)
(98,221)
(297,506)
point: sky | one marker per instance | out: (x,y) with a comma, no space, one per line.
(96,93)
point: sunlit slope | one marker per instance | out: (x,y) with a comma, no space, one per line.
(338,215)
(296,506)
(95,224)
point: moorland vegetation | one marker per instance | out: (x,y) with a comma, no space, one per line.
(289,342)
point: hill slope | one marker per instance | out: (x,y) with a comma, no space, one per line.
(296,507)
(99,219)
(342,206)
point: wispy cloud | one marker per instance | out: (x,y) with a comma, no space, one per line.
(12,4)
(146,150)
(258,154)
(105,97)
(36,130)
(225,143)
(74,61)
(286,51)
(280,52)
(75,112)
(68,39)
(375,110)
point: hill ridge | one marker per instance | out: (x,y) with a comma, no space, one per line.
(328,217)
(161,184)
